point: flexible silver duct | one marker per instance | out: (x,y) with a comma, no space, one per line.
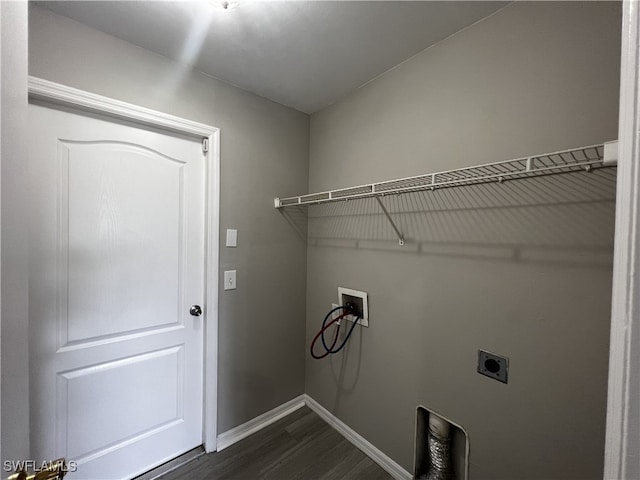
(439,449)
(439,458)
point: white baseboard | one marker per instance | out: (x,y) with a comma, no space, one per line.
(391,467)
(236,434)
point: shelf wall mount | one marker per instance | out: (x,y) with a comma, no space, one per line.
(565,161)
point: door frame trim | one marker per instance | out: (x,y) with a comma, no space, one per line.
(622,435)
(89,102)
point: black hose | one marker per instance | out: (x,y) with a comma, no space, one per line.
(325,326)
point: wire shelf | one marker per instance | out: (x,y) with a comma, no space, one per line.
(579,159)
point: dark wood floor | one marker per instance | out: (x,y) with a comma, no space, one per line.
(300,446)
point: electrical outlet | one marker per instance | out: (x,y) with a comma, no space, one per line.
(493,366)
(358,301)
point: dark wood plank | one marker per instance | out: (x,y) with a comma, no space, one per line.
(300,446)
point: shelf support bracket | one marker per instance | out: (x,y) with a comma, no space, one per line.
(385,211)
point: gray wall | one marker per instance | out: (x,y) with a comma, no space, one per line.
(264,151)
(522,269)
(14,442)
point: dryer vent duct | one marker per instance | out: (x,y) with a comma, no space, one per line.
(438,446)
(442,448)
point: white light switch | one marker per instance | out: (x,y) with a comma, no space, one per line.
(232,237)
(230,280)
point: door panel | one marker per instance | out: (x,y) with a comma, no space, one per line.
(110,228)
(89,428)
(116,258)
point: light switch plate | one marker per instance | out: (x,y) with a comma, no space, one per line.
(230,280)
(232,237)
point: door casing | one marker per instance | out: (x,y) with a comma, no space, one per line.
(622,438)
(80,100)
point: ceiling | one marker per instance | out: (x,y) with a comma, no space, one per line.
(303,54)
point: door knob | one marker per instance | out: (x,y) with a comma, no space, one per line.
(195,310)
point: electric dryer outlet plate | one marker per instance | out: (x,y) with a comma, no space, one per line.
(493,366)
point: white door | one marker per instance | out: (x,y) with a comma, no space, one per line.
(116,260)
